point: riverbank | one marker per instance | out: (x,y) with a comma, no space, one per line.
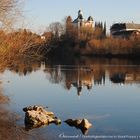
(9,129)
(24,44)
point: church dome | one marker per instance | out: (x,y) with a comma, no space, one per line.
(90,18)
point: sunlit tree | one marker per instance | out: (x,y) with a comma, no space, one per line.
(69,25)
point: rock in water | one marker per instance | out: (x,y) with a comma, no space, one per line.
(36,116)
(72,122)
(85,124)
(82,124)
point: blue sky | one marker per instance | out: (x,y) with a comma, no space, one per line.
(40,13)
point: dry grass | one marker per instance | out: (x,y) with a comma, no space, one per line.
(114,46)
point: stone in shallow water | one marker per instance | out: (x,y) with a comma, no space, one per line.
(36,116)
(82,124)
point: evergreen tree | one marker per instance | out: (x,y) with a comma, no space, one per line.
(101,25)
(104,30)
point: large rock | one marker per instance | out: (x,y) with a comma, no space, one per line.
(36,116)
(82,124)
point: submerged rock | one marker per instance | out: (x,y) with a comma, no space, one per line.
(82,124)
(36,116)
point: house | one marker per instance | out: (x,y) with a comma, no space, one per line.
(124,30)
(47,36)
(80,22)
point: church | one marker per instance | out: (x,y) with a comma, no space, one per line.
(80,22)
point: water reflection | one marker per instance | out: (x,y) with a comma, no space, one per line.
(23,67)
(84,73)
(83,76)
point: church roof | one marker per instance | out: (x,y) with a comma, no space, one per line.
(80,17)
(90,18)
(78,20)
(132,26)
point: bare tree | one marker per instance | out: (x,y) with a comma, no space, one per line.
(57,29)
(10,10)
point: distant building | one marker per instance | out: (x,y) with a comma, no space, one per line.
(47,36)
(124,30)
(81,22)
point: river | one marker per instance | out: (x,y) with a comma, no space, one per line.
(106,92)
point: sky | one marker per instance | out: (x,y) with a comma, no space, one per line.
(40,13)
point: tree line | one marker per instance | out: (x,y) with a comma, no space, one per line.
(91,41)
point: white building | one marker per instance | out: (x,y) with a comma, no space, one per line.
(81,22)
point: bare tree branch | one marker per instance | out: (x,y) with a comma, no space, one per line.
(10,10)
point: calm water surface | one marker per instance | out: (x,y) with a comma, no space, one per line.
(107,93)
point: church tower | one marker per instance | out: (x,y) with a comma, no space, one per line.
(80,14)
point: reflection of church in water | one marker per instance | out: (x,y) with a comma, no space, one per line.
(78,77)
(86,78)
(82,81)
